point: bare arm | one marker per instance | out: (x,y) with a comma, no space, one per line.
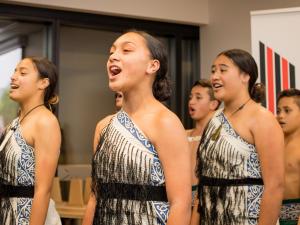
(195,220)
(47,139)
(269,142)
(172,146)
(91,205)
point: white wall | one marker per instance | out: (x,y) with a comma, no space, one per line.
(229,26)
(181,11)
(227,21)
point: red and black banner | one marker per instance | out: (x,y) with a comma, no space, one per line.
(276,73)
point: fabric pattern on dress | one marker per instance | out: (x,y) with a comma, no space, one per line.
(17,166)
(126,157)
(224,156)
(290,212)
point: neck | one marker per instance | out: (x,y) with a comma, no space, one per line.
(27,106)
(200,124)
(233,105)
(135,101)
(290,137)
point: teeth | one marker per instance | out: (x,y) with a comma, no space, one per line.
(217,85)
(13,86)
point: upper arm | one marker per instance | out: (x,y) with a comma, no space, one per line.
(269,142)
(99,127)
(172,147)
(47,140)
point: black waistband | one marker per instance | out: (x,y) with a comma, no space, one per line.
(133,192)
(16,191)
(208,181)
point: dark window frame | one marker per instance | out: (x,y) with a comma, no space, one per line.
(55,18)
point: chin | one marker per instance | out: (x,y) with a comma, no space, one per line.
(13,97)
(113,86)
(287,130)
(219,96)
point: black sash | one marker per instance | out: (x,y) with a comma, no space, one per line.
(133,192)
(11,191)
(208,181)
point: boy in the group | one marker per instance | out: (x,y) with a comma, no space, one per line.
(288,115)
(202,105)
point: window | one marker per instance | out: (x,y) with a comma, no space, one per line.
(8,108)
(78,44)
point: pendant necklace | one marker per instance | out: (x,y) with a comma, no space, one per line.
(26,114)
(216,134)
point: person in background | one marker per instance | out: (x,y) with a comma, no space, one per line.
(239,167)
(288,116)
(140,174)
(202,105)
(118,100)
(30,147)
(118,105)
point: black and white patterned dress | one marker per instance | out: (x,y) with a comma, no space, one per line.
(128,180)
(17,179)
(231,187)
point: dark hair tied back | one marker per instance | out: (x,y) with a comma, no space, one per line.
(246,63)
(161,87)
(47,69)
(258,92)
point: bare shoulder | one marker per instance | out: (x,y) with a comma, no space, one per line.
(166,118)
(167,122)
(262,117)
(292,147)
(103,123)
(46,120)
(99,127)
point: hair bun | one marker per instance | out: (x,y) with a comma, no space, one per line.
(258,93)
(53,100)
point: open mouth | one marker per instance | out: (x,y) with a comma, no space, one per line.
(217,86)
(14,86)
(115,70)
(191,109)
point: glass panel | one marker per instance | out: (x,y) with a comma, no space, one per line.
(8,108)
(17,39)
(83,89)
(190,73)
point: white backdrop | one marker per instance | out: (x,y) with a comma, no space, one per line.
(275,38)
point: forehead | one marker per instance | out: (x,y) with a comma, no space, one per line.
(26,63)
(199,89)
(223,60)
(287,101)
(130,37)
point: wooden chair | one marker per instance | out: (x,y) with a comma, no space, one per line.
(87,189)
(74,207)
(76,175)
(56,191)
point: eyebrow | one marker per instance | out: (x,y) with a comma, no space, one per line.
(21,68)
(223,65)
(123,43)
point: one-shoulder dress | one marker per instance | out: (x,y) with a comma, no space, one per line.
(17,179)
(127,177)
